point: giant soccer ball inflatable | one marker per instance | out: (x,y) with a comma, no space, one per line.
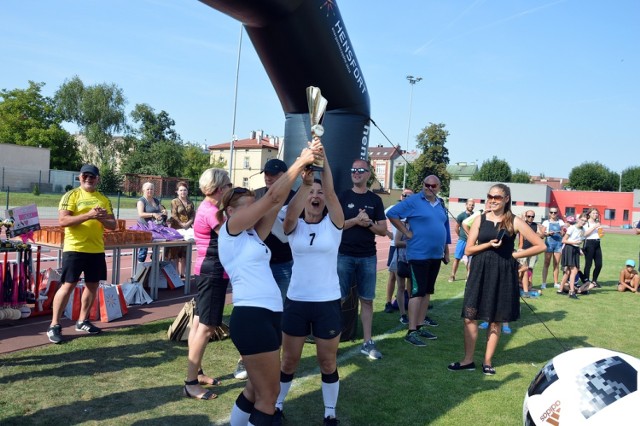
(587,386)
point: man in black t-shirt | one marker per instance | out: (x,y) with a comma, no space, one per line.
(357,261)
(281,258)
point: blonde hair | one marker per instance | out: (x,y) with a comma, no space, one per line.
(212,179)
(147,185)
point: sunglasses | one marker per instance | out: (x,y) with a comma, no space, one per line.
(552,212)
(88,176)
(405,195)
(495,197)
(530,216)
(240,190)
(432,186)
(359,170)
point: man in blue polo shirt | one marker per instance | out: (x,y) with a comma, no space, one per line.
(427,239)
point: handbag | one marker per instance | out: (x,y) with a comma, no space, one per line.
(179,329)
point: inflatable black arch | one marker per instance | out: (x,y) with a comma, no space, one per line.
(304,43)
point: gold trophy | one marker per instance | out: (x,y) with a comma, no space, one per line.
(317,107)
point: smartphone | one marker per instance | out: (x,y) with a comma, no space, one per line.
(501,234)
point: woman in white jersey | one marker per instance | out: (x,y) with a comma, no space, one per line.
(255,322)
(313,299)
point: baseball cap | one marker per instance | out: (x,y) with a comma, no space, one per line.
(570,219)
(90,168)
(274,166)
(630,262)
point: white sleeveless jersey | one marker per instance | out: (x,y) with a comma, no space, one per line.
(245,257)
(314,246)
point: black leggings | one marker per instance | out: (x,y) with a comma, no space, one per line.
(592,253)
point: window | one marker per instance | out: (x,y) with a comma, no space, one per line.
(569,211)
(380,170)
(610,214)
(531,204)
(245,162)
(245,182)
(625,215)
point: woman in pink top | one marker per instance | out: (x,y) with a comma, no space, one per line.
(211,282)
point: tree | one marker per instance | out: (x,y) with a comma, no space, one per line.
(630,179)
(433,160)
(494,170)
(110,180)
(27,118)
(593,176)
(196,161)
(520,176)
(98,111)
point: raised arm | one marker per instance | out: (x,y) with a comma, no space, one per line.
(262,213)
(336,214)
(297,203)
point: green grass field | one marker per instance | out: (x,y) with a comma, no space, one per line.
(134,375)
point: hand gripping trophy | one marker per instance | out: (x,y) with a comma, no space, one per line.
(317,107)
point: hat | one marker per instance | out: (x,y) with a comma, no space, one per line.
(630,262)
(570,219)
(274,166)
(90,168)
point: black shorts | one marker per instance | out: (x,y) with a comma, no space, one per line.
(392,250)
(74,263)
(212,293)
(324,319)
(423,276)
(255,330)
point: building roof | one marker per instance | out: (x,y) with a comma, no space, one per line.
(383,153)
(248,143)
(553,182)
(462,169)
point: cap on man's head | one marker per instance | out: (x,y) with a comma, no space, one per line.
(274,166)
(630,262)
(90,168)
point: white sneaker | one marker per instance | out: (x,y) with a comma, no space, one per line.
(556,285)
(241,372)
(543,286)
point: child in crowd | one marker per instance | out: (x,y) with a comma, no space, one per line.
(572,240)
(629,277)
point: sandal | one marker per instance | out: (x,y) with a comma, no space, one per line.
(205,396)
(488,370)
(206,380)
(457,367)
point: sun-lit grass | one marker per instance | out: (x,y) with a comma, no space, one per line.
(134,375)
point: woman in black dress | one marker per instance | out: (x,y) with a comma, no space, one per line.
(492,291)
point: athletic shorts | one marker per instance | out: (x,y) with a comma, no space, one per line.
(460,246)
(393,266)
(423,276)
(74,263)
(324,319)
(392,251)
(212,293)
(529,262)
(255,330)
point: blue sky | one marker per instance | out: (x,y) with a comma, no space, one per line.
(544,85)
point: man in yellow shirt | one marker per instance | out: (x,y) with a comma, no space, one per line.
(85,213)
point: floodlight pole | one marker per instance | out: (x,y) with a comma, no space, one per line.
(234,138)
(412,81)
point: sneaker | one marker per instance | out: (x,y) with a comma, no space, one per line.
(404,319)
(428,321)
(573,295)
(483,326)
(369,349)
(55,334)
(506,329)
(556,285)
(388,308)
(86,326)
(424,333)
(451,279)
(543,286)
(331,421)
(241,372)
(413,339)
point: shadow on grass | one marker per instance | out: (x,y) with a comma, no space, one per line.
(83,362)
(109,408)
